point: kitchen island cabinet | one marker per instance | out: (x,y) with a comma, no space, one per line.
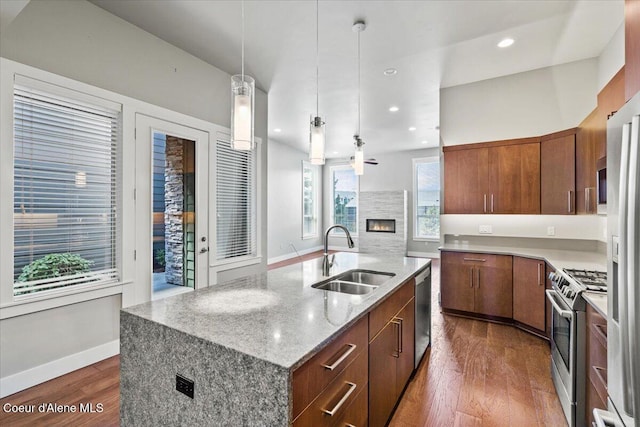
(258,350)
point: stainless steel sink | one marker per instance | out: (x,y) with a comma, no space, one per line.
(367,277)
(344,287)
(354,282)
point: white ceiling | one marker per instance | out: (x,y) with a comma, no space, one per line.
(432,44)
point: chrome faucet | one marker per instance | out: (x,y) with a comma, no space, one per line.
(326,264)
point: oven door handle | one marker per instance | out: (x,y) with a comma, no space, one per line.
(551,295)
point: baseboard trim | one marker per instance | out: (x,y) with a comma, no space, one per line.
(48,371)
(424,254)
(293,255)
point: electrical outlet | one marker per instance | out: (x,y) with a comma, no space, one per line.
(485,229)
(184,385)
(551,231)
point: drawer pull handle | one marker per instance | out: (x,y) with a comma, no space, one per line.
(331,413)
(601,330)
(346,354)
(475,259)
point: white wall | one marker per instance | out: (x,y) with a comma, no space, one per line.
(284,224)
(611,59)
(78,40)
(521,105)
(394,172)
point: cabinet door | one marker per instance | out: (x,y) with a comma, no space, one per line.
(586,140)
(406,359)
(558,175)
(528,292)
(456,283)
(494,290)
(514,179)
(547,303)
(632,47)
(383,352)
(465,181)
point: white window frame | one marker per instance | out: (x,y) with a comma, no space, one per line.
(15,305)
(216,265)
(315,215)
(415,162)
(338,231)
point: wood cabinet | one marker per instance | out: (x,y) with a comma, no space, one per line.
(632,47)
(499,177)
(466,181)
(610,99)
(596,363)
(558,173)
(549,269)
(338,371)
(529,292)
(587,137)
(391,352)
(477,283)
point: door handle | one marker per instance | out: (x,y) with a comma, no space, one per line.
(398,337)
(485,203)
(471,277)
(492,203)
(478,278)
(569,201)
(400,334)
(539,275)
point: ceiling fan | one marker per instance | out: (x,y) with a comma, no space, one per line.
(367,161)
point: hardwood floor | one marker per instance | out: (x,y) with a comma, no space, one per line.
(475,374)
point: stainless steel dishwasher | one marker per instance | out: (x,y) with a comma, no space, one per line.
(423,313)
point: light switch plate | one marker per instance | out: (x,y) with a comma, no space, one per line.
(485,229)
(551,231)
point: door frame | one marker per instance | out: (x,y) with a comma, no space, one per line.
(145,126)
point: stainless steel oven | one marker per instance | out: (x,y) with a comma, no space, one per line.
(567,338)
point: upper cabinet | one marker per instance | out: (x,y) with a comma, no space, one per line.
(632,47)
(558,173)
(501,177)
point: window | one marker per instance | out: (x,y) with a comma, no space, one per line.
(426,198)
(309,200)
(236,202)
(344,197)
(65,222)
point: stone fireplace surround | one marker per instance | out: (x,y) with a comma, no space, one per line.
(383,205)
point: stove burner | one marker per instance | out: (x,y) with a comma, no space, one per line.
(594,281)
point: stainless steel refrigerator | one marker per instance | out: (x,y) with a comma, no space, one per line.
(623,268)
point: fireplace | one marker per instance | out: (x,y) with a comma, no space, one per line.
(381,225)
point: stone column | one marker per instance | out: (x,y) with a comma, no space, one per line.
(173,213)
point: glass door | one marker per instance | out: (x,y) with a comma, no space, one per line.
(172,198)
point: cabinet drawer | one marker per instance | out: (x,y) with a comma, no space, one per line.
(314,376)
(598,378)
(338,397)
(593,401)
(469,258)
(597,345)
(382,314)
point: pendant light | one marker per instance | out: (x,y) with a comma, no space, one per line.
(242,106)
(317,130)
(358,163)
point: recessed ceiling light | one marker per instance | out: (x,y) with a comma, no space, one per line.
(411,129)
(425,142)
(277,130)
(505,42)
(390,72)
(393,108)
(335,152)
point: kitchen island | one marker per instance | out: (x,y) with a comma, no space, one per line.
(240,342)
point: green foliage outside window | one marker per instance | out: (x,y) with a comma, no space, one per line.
(54,265)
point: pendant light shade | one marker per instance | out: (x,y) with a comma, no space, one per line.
(316,129)
(242,106)
(358,160)
(316,140)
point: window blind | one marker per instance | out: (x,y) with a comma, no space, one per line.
(427,198)
(65,222)
(235,201)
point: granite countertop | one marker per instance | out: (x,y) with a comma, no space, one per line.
(597,301)
(587,260)
(276,316)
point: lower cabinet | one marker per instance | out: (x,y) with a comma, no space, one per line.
(596,363)
(529,292)
(477,283)
(391,353)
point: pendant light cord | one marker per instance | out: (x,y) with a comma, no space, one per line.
(317,58)
(359,82)
(242,4)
